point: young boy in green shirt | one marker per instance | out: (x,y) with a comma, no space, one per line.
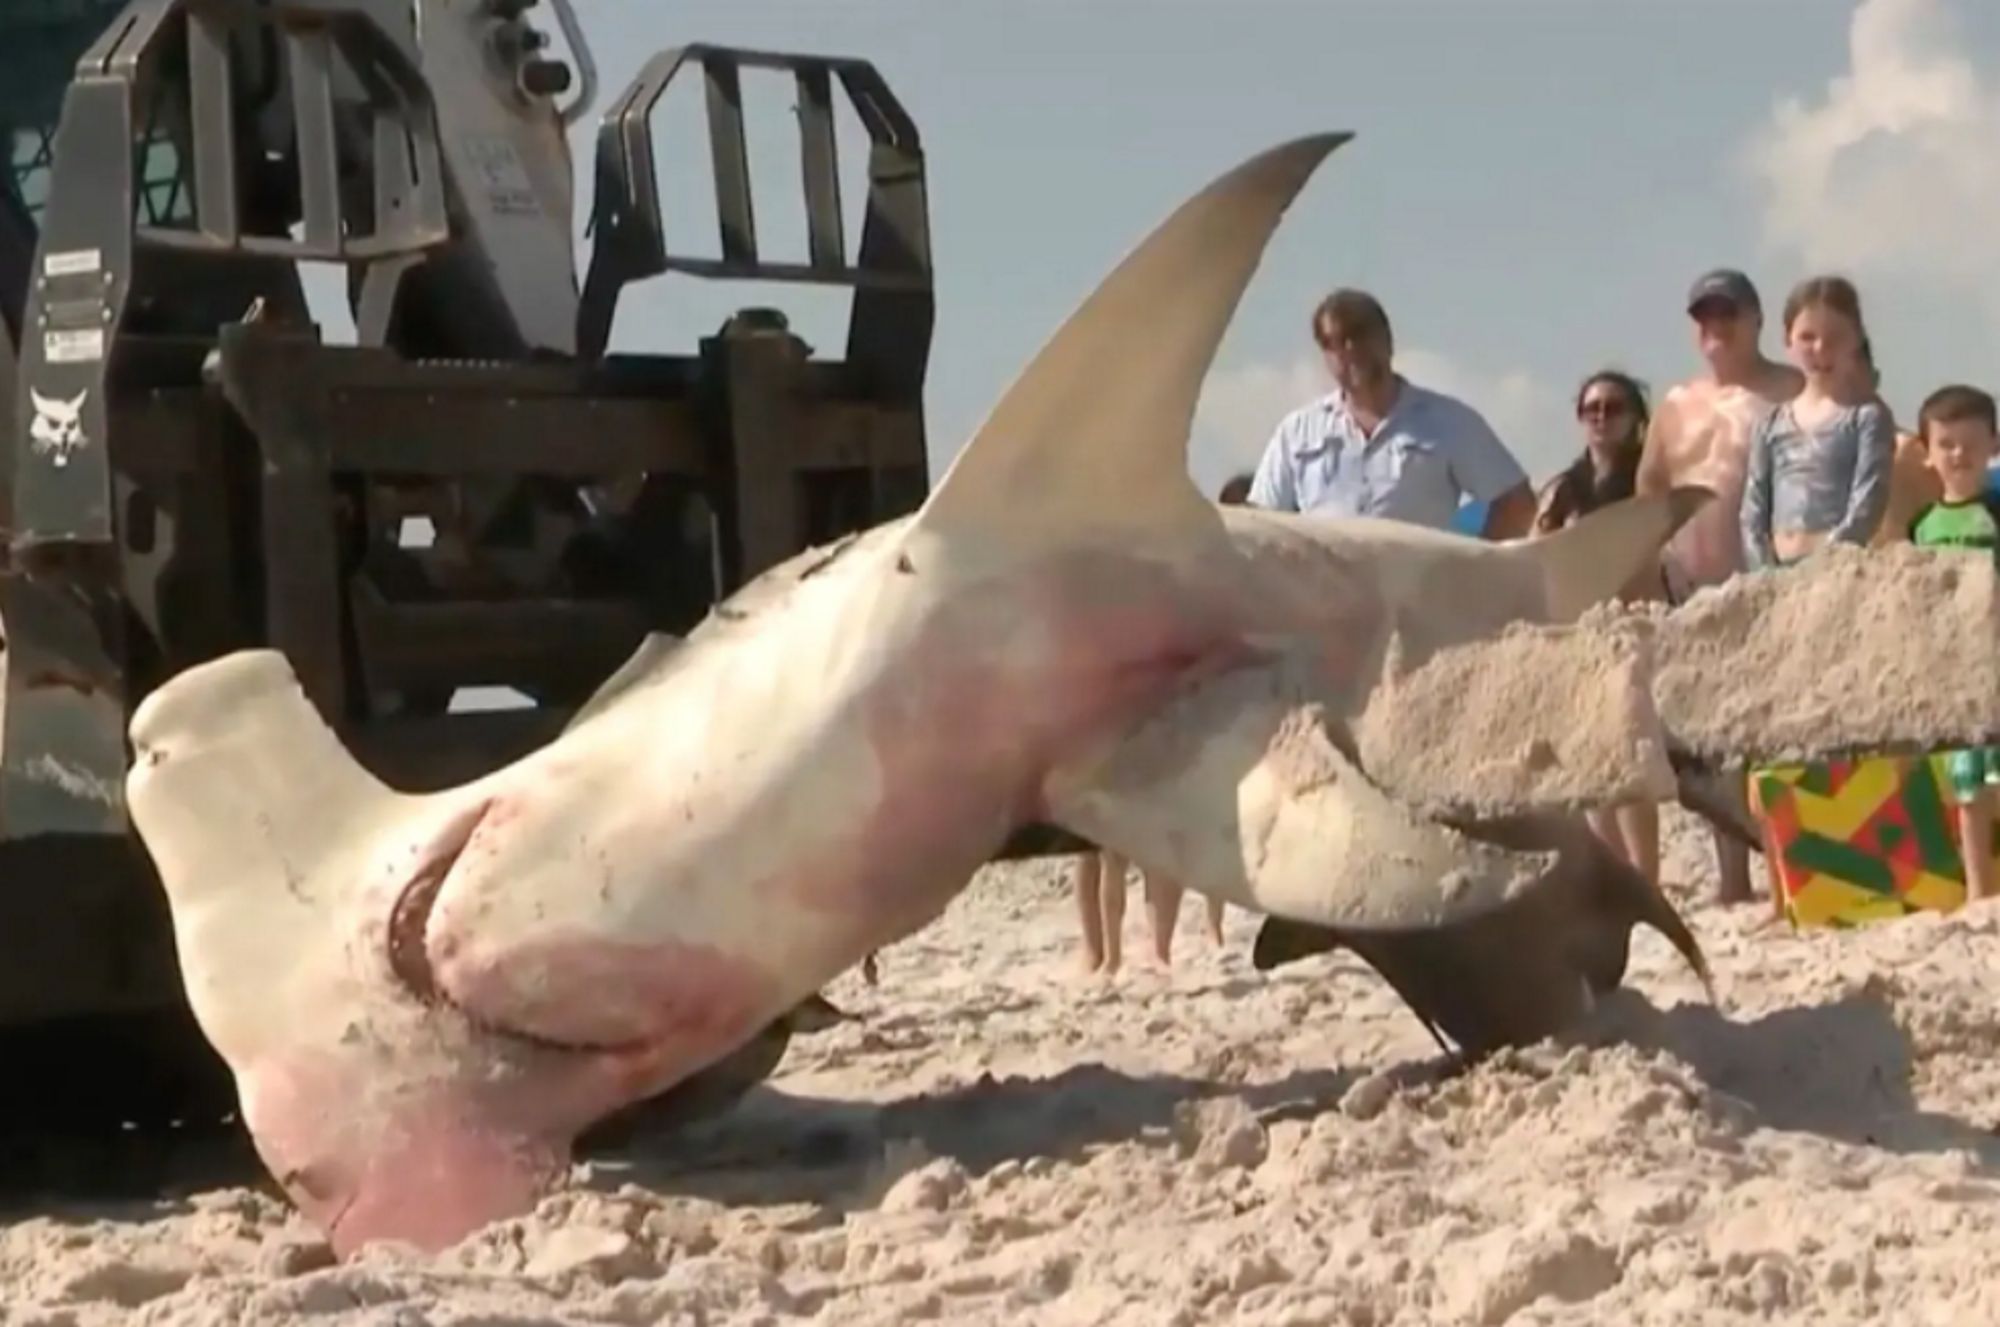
(1961,436)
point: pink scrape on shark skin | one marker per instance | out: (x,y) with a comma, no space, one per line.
(1002,685)
(426,1129)
(369,1155)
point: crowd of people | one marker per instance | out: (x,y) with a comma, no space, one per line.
(1800,455)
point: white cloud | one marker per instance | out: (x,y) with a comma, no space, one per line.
(1532,417)
(1891,171)
(1241,406)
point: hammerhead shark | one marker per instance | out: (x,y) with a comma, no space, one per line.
(425,999)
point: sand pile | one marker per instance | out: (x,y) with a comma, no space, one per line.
(995,1139)
(1923,673)
(1534,717)
(1540,715)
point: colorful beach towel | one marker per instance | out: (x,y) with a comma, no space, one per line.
(1859,841)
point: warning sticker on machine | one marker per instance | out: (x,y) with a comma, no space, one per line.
(73,347)
(71,262)
(497,165)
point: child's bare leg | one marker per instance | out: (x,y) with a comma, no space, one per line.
(1215,907)
(1774,880)
(1732,870)
(1732,859)
(1639,826)
(1163,902)
(1111,902)
(1733,862)
(1088,886)
(1975,843)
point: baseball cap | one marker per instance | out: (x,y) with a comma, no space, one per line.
(1726,284)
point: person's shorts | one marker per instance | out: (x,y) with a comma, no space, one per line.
(1971,769)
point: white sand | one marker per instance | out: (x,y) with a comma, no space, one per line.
(996,1139)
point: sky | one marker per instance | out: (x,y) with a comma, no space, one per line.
(1532,186)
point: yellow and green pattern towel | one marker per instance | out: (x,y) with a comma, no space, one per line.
(1859,841)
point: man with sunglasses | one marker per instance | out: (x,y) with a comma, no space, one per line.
(1700,436)
(1380,445)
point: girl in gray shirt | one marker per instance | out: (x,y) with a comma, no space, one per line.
(1820,463)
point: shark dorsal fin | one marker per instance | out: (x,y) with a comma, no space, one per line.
(1093,434)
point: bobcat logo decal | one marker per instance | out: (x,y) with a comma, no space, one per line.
(57,429)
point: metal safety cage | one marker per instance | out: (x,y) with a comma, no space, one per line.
(890,324)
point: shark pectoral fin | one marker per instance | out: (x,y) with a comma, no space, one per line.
(1590,561)
(247,803)
(1245,792)
(1852,651)
(1093,434)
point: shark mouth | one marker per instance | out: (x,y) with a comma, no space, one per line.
(409,921)
(408,941)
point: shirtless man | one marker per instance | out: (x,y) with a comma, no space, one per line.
(1913,485)
(1700,435)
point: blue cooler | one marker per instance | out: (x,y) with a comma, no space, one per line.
(1470,518)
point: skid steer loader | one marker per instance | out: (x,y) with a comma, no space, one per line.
(195,468)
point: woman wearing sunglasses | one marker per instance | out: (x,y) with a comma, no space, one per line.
(1611,408)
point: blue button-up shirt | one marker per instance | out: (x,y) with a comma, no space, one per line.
(1430,452)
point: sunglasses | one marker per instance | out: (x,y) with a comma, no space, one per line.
(1601,409)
